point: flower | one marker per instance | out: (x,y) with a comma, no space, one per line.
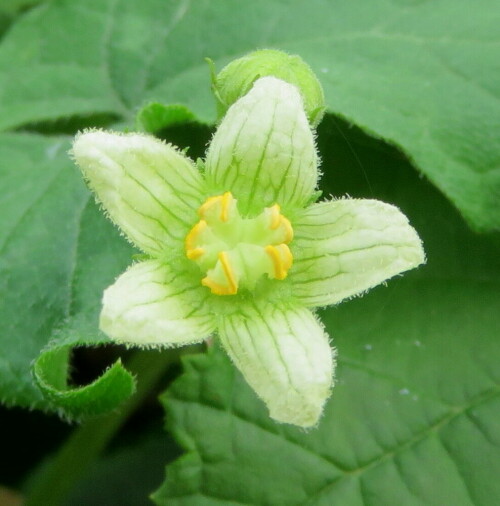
(239,248)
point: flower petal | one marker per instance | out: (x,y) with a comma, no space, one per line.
(152,304)
(150,190)
(285,356)
(345,247)
(263,151)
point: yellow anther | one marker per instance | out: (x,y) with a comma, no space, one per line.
(228,271)
(193,235)
(232,285)
(216,288)
(194,253)
(275,216)
(226,201)
(278,220)
(210,202)
(288,229)
(282,259)
(230,249)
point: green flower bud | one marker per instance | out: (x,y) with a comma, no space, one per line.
(236,79)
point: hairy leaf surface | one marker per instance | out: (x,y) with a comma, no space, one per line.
(57,254)
(423,75)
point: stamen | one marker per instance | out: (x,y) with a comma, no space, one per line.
(275,216)
(228,271)
(232,286)
(208,204)
(226,201)
(194,253)
(282,259)
(225,205)
(215,288)
(230,248)
(193,235)
(288,229)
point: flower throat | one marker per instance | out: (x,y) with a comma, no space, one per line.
(235,252)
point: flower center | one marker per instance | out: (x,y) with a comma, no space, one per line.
(234,251)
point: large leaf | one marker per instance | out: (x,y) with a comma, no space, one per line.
(423,75)
(57,254)
(15,6)
(414,418)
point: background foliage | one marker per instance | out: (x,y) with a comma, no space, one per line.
(414,418)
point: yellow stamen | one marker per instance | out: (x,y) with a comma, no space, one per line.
(286,255)
(226,201)
(218,244)
(228,271)
(232,286)
(208,204)
(193,235)
(215,288)
(194,253)
(275,216)
(288,229)
(282,259)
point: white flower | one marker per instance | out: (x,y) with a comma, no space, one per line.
(239,249)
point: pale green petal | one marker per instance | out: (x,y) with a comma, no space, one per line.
(263,151)
(285,356)
(152,304)
(148,188)
(345,247)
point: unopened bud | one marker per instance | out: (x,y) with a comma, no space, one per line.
(236,79)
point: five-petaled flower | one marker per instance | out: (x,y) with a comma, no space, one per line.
(239,248)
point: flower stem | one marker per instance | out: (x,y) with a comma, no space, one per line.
(85,444)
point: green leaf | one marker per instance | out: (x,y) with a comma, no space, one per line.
(109,390)
(413,418)
(15,6)
(155,117)
(401,70)
(57,254)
